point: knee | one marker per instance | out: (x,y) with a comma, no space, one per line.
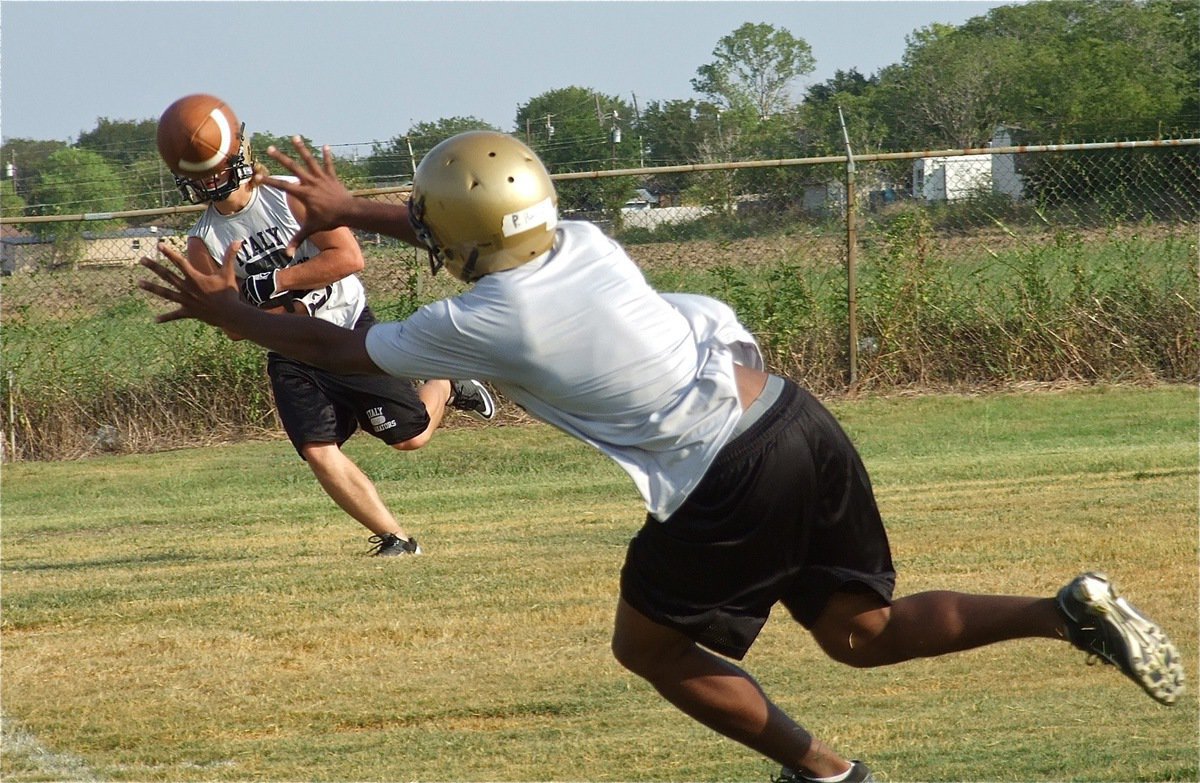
(854,640)
(320,456)
(413,443)
(647,660)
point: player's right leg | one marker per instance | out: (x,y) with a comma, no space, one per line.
(318,417)
(355,493)
(717,693)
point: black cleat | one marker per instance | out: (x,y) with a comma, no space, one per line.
(473,398)
(859,773)
(392,545)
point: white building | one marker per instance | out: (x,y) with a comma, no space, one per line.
(955,177)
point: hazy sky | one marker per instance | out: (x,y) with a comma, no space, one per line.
(346,73)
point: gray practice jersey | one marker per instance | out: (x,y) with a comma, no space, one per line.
(580,340)
(265,225)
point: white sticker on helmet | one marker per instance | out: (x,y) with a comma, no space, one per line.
(222,152)
(541,213)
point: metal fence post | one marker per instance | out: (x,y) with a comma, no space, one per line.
(851,257)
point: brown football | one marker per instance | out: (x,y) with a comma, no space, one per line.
(197,134)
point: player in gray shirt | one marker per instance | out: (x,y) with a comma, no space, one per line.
(200,139)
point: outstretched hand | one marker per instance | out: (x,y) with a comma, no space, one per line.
(209,297)
(326,200)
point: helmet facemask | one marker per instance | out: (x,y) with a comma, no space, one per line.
(416,219)
(223,183)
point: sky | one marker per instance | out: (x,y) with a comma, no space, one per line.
(353,73)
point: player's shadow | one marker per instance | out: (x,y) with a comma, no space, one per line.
(9,566)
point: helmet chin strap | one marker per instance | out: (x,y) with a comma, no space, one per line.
(416,211)
(468,271)
(240,168)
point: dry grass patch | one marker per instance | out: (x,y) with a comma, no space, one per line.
(208,615)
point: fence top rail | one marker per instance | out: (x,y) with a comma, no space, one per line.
(678,169)
(878,156)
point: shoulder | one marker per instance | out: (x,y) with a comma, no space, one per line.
(577,237)
(582,231)
(274,194)
(204,223)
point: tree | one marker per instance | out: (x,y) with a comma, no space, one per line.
(393,163)
(577,129)
(121,142)
(74,181)
(258,143)
(754,68)
(677,133)
(853,93)
(1056,70)
(11,204)
(27,156)
(148,184)
(951,88)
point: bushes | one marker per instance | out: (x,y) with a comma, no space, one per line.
(1063,307)
(990,309)
(118,382)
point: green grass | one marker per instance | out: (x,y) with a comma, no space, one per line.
(209,615)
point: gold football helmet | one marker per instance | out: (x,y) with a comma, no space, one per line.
(482,202)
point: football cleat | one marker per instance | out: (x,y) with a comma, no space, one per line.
(1110,629)
(392,545)
(859,773)
(472,397)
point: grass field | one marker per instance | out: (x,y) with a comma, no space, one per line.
(209,615)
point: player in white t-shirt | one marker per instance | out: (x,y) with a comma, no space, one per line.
(319,410)
(754,494)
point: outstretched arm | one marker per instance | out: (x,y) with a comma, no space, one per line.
(327,202)
(212,297)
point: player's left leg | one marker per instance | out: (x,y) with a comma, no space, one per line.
(860,629)
(435,396)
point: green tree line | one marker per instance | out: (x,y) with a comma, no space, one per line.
(1049,71)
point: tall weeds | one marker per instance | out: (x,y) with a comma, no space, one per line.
(1058,307)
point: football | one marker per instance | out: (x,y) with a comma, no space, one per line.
(197,134)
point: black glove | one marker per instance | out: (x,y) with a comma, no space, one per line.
(260,288)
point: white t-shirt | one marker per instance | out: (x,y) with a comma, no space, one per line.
(579,340)
(265,225)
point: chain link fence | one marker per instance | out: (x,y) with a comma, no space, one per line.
(949,269)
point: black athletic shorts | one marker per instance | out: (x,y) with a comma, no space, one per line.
(784,514)
(316,406)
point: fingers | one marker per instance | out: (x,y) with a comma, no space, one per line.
(304,153)
(287,186)
(327,155)
(283,160)
(162,292)
(229,263)
(171,253)
(174,280)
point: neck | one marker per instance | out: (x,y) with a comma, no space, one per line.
(236,201)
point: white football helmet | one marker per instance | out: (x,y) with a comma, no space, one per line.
(482,202)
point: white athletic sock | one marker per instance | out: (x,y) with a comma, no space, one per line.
(834,778)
